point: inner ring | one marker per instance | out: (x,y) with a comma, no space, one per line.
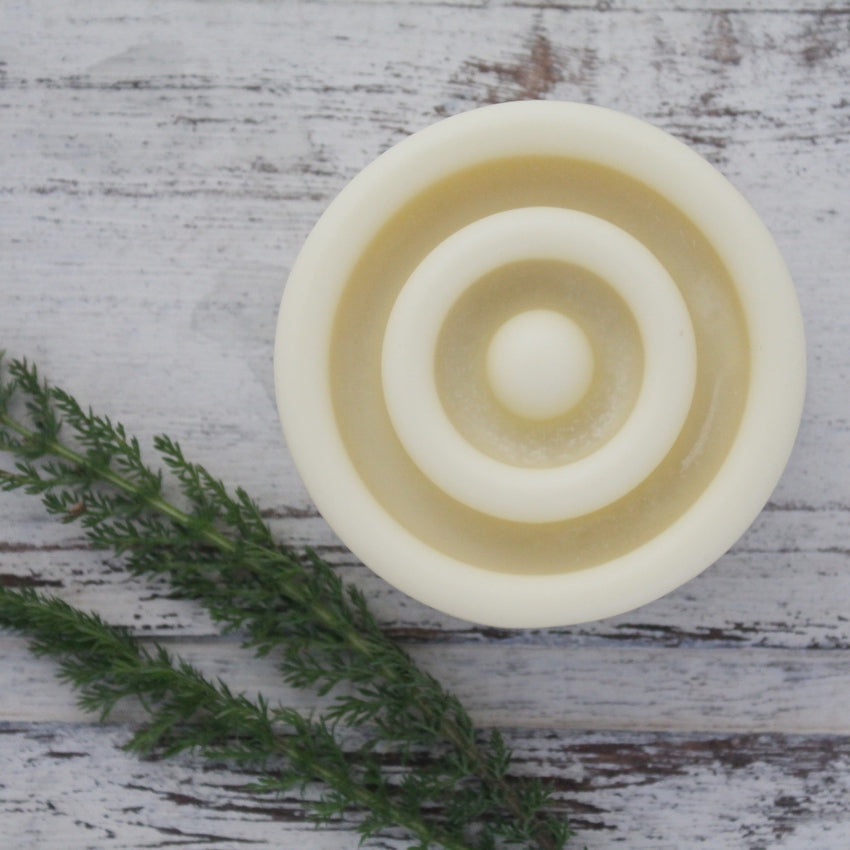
(568,490)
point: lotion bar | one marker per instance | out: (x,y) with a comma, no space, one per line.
(538,364)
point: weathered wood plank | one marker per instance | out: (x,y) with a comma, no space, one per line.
(539,686)
(784,585)
(74,788)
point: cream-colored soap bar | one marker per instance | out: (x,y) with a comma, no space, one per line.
(540,363)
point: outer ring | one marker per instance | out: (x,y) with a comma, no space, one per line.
(726,507)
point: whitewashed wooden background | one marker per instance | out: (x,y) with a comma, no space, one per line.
(161,163)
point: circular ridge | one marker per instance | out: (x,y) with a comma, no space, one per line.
(524,494)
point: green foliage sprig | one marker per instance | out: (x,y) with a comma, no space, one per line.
(216,548)
(187,711)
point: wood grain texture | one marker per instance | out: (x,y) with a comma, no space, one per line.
(540,687)
(742,601)
(160,165)
(74,787)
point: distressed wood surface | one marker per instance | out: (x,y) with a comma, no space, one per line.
(161,163)
(662,790)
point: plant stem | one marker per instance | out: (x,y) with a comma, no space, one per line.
(109,475)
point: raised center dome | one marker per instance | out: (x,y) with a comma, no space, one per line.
(539,364)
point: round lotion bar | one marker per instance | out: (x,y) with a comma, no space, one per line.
(539,363)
